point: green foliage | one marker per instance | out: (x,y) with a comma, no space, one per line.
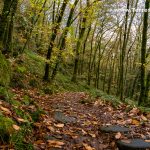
(26,100)
(34,83)
(6,128)
(34,64)
(22,114)
(17,80)
(48,90)
(36,114)
(21,69)
(15,103)
(18,139)
(5,94)
(5,71)
(145,109)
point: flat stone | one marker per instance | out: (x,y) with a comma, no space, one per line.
(59,116)
(114,128)
(133,144)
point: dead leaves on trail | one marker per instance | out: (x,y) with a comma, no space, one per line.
(118,135)
(17,128)
(76,125)
(6,110)
(87,147)
(54,143)
(60,125)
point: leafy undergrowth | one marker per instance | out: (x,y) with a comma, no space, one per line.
(68,120)
(17,116)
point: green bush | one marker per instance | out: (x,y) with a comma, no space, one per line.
(5,94)
(17,80)
(48,90)
(33,83)
(18,139)
(6,128)
(5,71)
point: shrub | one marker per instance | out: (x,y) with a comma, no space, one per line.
(6,128)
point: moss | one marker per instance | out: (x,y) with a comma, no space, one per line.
(5,71)
(34,83)
(48,90)
(18,139)
(4,94)
(6,128)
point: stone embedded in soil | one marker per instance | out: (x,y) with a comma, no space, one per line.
(60,117)
(133,144)
(114,128)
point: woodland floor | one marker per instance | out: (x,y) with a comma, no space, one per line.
(72,124)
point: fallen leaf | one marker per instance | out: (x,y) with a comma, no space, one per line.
(113,143)
(37,124)
(54,143)
(135,122)
(38,142)
(21,120)
(87,147)
(135,111)
(59,125)
(92,135)
(143,118)
(126,141)
(103,146)
(94,122)
(87,123)
(17,128)
(118,135)
(148,116)
(98,103)
(51,128)
(74,137)
(84,132)
(6,110)
(128,121)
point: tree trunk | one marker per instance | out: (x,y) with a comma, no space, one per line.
(143,53)
(53,37)
(123,55)
(147,88)
(81,34)
(62,41)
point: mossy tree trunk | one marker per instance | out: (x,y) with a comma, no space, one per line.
(55,28)
(122,57)
(78,46)
(6,25)
(143,53)
(62,42)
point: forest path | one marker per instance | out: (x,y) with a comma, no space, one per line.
(70,125)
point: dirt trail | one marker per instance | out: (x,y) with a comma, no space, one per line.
(70,125)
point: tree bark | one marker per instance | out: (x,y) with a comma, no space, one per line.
(53,37)
(143,54)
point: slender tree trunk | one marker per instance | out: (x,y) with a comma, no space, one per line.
(62,42)
(84,47)
(4,22)
(91,63)
(9,42)
(147,88)
(123,55)
(143,54)
(53,37)
(81,34)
